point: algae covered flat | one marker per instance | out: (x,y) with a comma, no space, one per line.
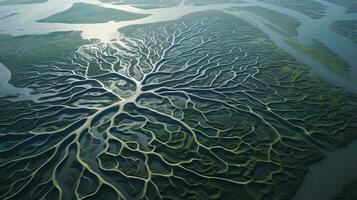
(324,55)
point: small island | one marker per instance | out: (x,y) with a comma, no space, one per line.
(83,13)
(324,55)
(347,28)
(286,24)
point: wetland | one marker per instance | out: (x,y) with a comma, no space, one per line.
(195,99)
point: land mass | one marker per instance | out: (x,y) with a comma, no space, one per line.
(278,20)
(20,52)
(324,55)
(170,115)
(310,8)
(346,28)
(351,5)
(145,4)
(83,13)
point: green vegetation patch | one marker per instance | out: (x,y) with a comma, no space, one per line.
(351,5)
(12,2)
(146,7)
(310,8)
(280,20)
(82,13)
(169,115)
(346,28)
(324,55)
(19,52)
(146,4)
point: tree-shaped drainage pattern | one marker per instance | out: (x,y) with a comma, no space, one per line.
(204,107)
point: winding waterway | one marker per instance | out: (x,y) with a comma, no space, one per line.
(322,181)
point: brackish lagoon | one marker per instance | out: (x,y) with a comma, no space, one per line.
(178,99)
